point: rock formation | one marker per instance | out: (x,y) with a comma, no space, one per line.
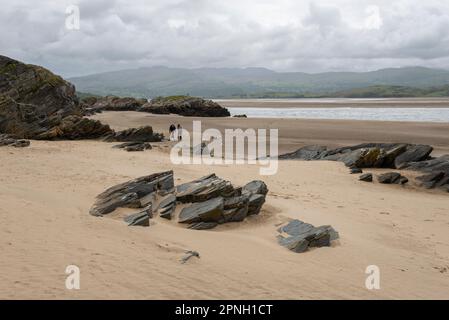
(208,201)
(36,104)
(384,155)
(185,106)
(299,236)
(111,103)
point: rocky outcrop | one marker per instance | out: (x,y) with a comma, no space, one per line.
(111,103)
(10,140)
(299,236)
(36,104)
(384,155)
(185,106)
(142,134)
(208,201)
(366,177)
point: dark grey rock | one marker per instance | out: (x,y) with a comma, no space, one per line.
(142,134)
(188,255)
(256,186)
(236,208)
(203,189)
(298,236)
(129,194)
(140,218)
(207,211)
(429,181)
(167,206)
(312,152)
(355,170)
(413,154)
(367,177)
(255,204)
(390,178)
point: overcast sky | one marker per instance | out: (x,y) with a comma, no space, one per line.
(283,35)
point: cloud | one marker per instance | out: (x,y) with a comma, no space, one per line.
(285,35)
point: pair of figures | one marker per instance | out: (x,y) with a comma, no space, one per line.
(175,132)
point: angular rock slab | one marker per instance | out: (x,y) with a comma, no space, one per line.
(132,193)
(204,189)
(299,236)
(167,206)
(392,178)
(367,177)
(207,211)
(140,218)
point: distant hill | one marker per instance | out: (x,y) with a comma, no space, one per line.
(261,82)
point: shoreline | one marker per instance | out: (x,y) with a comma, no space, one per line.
(336,103)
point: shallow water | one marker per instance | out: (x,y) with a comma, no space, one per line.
(379,114)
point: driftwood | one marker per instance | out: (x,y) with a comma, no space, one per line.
(188,255)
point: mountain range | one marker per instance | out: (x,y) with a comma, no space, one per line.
(264,83)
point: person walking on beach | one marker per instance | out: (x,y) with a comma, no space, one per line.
(179,132)
(172,130)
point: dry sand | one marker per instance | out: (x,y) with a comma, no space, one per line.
(46,191)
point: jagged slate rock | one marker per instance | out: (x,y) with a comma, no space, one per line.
(202,225)
(203,189)
(256,186)
(437,164)
(429,181)
(313,152)
(147,200)
(255,204)
(355,170)
(75,127)
(236,208)
(140,218)
(167,206)
(185,106)
(207,211)
(413,154)
(389,178)
(298,236)
(367,177)
(128,194)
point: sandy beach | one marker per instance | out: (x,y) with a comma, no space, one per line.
(295,133)
(46,191)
